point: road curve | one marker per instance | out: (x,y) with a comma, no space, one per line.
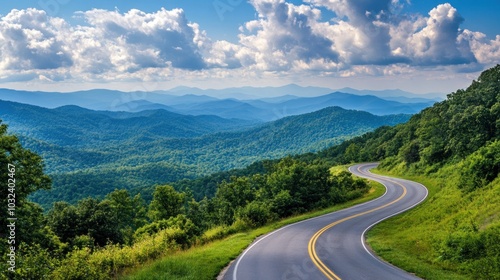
(330,246)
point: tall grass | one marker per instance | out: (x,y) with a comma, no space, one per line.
(443,237)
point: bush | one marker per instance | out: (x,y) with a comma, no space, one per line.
(481,168)
(187,229)
(33,262)
(475,252)
(255,214)
(108,262)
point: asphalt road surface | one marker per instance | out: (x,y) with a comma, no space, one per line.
(330,246)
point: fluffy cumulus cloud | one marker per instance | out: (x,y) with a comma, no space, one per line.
(110,45)
(283,37)
(135,42)
(31,40)
(369,37)
(439,41)
(370,32)
(361,32)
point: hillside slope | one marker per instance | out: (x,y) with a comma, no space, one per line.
(453,147)
(75,126)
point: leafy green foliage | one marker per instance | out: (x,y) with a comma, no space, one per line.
(180,222)
(481,168)
(255,214)
(114,219)
(21,173)
(166,203)
(449,131)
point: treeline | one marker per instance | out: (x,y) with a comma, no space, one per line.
(98,238)
(447,132)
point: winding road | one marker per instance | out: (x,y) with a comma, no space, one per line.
(330,246)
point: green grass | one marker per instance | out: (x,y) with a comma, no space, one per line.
(414,240)
(206,261)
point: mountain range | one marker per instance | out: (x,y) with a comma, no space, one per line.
(194,101)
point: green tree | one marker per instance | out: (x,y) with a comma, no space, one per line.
(352,153)
(99,221)
(90,217)
(166,203)
(255,213)
(21,174)
(64,220)
(307,184)
(129,211)
(233,195)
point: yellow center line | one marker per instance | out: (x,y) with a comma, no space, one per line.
(312,242)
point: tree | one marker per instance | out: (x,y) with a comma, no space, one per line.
(90,217)
(99,221)
(130,212)
(21,174)
(307,184)
(352,153)
(166,203)
(255,213)
(64,221)
(233,195)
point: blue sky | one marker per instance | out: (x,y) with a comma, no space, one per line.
(420,46)
(222,18)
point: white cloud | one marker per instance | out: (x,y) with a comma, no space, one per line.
(366,38)
(31,40)
(439,41)
(137,40)
(285,36)
(486,51)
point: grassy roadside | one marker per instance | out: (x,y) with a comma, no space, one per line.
(206,261)
(409,240)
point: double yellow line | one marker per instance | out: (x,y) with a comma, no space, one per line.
(312,242)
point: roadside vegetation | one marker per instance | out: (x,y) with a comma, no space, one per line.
(207,261)
(452,235)
(454,149)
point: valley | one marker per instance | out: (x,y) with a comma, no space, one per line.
(90,152)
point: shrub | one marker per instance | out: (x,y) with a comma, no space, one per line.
(255,214)
(481,168)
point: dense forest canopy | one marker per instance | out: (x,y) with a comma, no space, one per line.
(59,244)
(94,152)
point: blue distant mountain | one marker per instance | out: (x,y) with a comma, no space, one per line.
(197,102)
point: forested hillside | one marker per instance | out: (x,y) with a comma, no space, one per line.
(454,147)
(447,132)
(78,127)
(94,152)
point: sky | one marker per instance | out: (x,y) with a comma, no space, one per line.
(415,45)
